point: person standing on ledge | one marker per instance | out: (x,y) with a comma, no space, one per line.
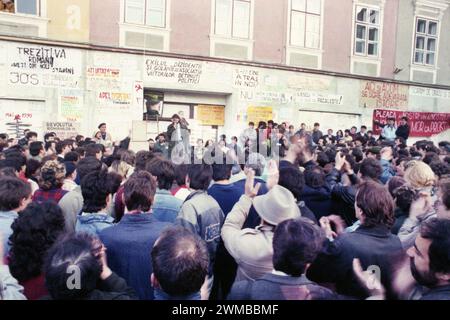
(177,132)
(105,138)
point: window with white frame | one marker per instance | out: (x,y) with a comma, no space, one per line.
(367,31)
(232,18)
(147,12)
(20,6)
(305,23)
(425,42)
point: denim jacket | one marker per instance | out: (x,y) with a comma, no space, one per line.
(93,223)
(6,220)
(166,206)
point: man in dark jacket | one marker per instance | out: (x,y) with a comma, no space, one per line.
(316,193)
(372,243)
(293,238)
(316,134)
(76,269)
(130,241)
(403,129)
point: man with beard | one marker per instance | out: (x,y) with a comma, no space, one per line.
(429,265)
(430,259)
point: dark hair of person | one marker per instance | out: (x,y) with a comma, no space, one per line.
(92,149)
(370,168)
(296,243)
(438,232)
(48,135)
(430,157)
(394,183)
(32,167)
(31,134)
(200,176)
(403,153)
(181,171)
(96,187)
(12,192)
(163,170)
(323,159)
(72,156)
(142,157)
(7,171)
(404,197)
(62,144)
(293,180)
(35,148)
(101,124)
(15,160)
(34,232)
(440,168)
(376,204)
(358,154)
(180,261)
(444,185)
(315,177)
(87,165)
(139,191)
(48,145)
(72,250)
(221,166)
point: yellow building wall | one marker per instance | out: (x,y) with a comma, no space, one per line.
(69,20)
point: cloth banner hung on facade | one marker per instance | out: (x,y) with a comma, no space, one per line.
(422,124)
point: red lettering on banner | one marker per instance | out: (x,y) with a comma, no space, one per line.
(422,124)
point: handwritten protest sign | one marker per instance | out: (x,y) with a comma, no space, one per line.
(422,124)
(383,95)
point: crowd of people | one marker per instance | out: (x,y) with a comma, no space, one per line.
(275,213)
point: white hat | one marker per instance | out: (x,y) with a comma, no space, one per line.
(276,205)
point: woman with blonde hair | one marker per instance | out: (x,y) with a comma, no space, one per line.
(421,178)
(51,180)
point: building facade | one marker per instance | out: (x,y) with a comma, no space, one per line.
(71,64)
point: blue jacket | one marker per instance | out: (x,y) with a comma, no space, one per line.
(93,223)
(166,206)
(388,171)
(6,220)
(129,244)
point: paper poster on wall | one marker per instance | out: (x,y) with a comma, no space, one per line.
(70,105)
(429,92)
(118,100)
(257,114)
(64,130)
(383,95)
(246,78)
(209,115)
(29,113)
(103,78)
(43,66)
(173,71)
(310,83)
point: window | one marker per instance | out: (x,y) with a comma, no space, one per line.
(148,12)
(367,31)
(232,18)
(20,6)
(305,23)
(425,42)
